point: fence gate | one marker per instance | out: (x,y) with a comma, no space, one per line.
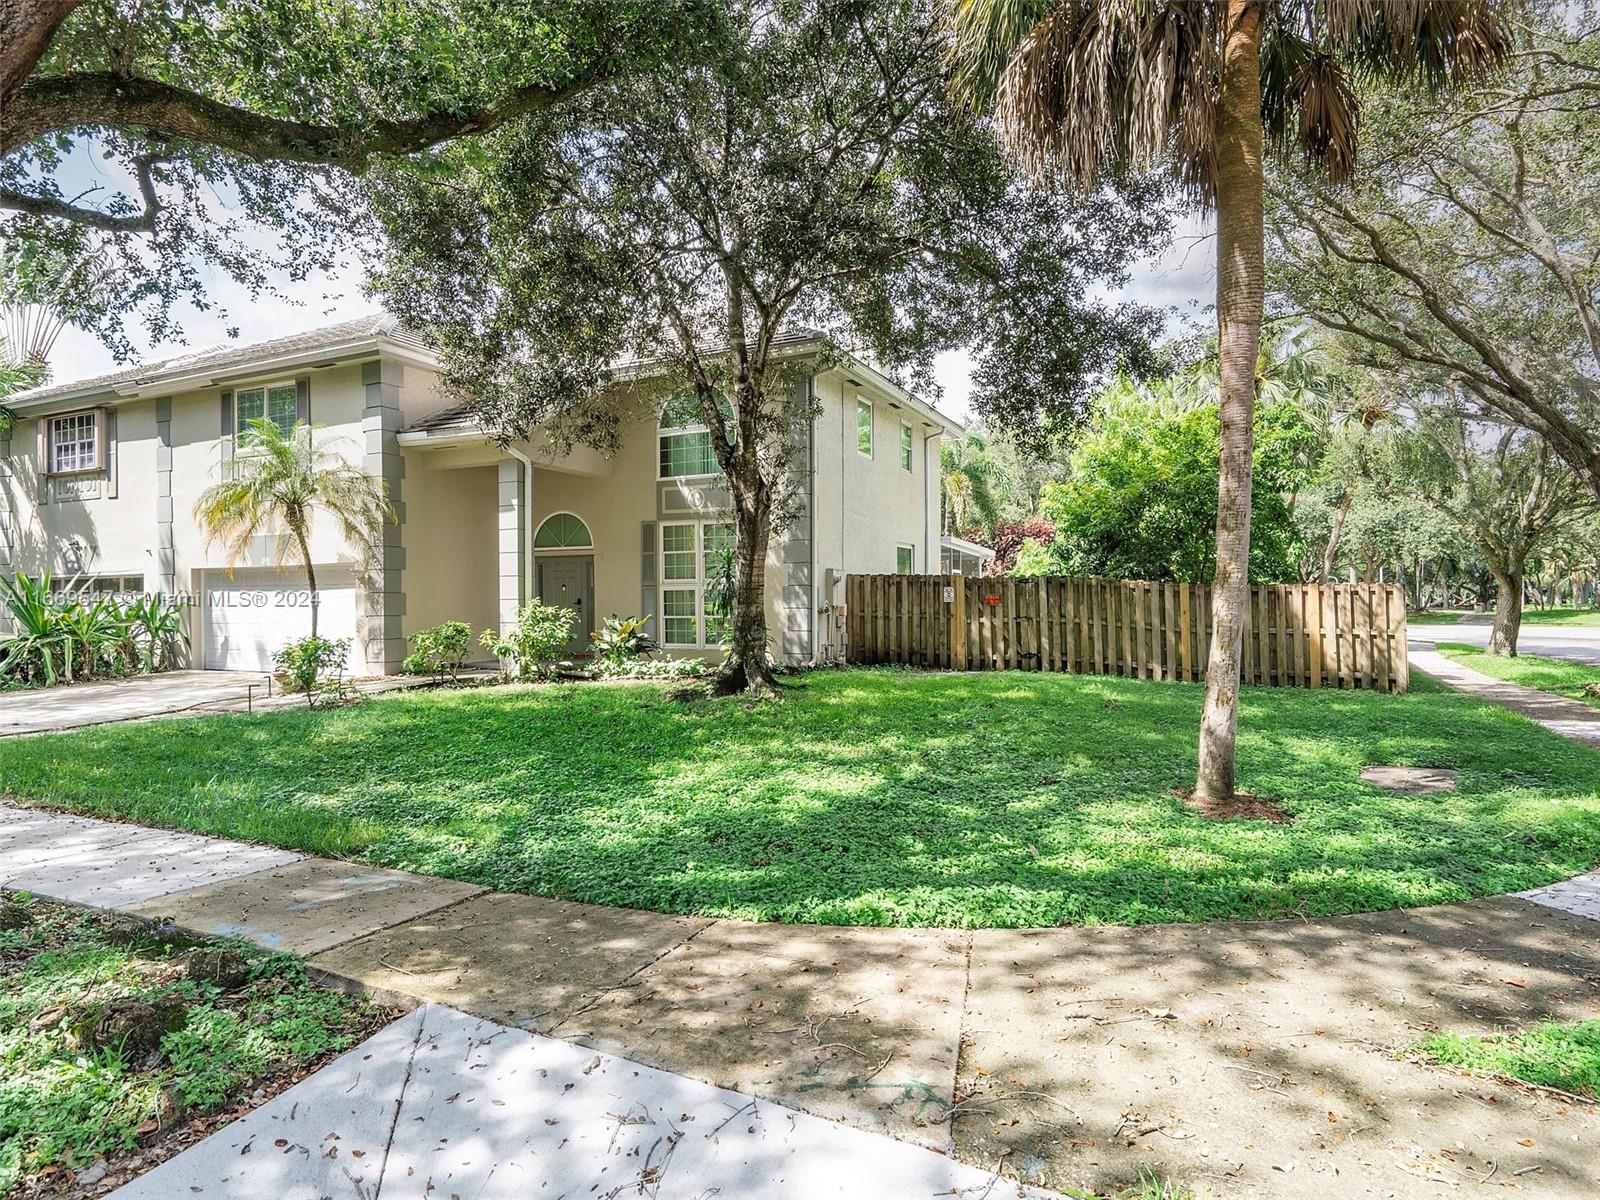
(1345,635)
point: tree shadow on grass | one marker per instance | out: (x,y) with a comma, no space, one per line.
(877,797)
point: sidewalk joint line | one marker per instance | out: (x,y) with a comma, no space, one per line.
(629,977)
(400,1100)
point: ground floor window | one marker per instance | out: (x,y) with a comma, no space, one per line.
(691,553)
(97,585)
(905,560)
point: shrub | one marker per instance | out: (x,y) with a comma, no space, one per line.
(440,650)
(1009,537)
(62,636)
(307,662)
(621,640)
(655,668)
(535,642)
(157,629)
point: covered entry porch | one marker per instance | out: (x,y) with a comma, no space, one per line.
(486,528)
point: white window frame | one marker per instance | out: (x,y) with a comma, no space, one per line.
(911,550)
(863,404)
(266,390)
(97,440)
(663,431)
(908,447)
(95,584)
(697,584)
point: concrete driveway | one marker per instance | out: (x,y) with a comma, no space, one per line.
(135,699)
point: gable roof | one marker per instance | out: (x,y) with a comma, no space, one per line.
(314,347)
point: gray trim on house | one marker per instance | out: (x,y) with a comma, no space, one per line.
(8,512)
(384,600)
(797,552)
(166,545)
(513,539)
(648,601)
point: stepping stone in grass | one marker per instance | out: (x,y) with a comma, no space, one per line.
(1412,781)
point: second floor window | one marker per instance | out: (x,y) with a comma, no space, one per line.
(684,447)
(864,427)
(277,402)
(905,446)
(74,443)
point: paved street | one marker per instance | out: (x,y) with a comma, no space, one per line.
(1580,643)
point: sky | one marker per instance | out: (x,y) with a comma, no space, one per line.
(1181,278)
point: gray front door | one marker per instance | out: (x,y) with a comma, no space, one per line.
(568,580)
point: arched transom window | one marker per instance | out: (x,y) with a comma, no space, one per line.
(562,531)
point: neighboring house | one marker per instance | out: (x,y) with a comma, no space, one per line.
(98,479)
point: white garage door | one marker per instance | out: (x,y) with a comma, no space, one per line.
(252,616)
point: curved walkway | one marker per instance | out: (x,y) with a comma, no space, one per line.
(1570,718)
(1245,1059)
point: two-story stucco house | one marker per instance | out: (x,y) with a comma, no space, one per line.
(98,479)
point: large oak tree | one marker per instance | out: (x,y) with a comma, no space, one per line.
(810,174)
(1465,258)
(165,130)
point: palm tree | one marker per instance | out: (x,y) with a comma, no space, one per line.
(1088,89)
(968,479)
(277,481)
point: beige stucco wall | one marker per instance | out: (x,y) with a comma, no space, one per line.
(119,534)
(449,501)
(866,507)
(97,532)
(451,564)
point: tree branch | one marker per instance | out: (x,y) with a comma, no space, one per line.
(61,103)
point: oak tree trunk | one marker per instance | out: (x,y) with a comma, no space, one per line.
(1507,614)
(1240,285)
(1330,556)
(748,667)
(26,29)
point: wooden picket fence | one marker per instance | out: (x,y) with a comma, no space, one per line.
(1296,635)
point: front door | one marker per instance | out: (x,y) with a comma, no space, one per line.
(568,580)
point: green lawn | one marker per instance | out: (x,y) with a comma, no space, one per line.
(1554,675)
(867,797)
(1530,616)
(1558,1056)
(112,1039)
(1561,616)
(1437,616)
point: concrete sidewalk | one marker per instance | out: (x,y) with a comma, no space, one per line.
(1243,1059)
(1570,718)
(444,1104)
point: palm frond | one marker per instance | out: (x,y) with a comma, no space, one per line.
(1100,88)
(983,34)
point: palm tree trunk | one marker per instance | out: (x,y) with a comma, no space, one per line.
(1240,287)
(311,574)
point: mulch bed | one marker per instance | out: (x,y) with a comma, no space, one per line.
(1242,806)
